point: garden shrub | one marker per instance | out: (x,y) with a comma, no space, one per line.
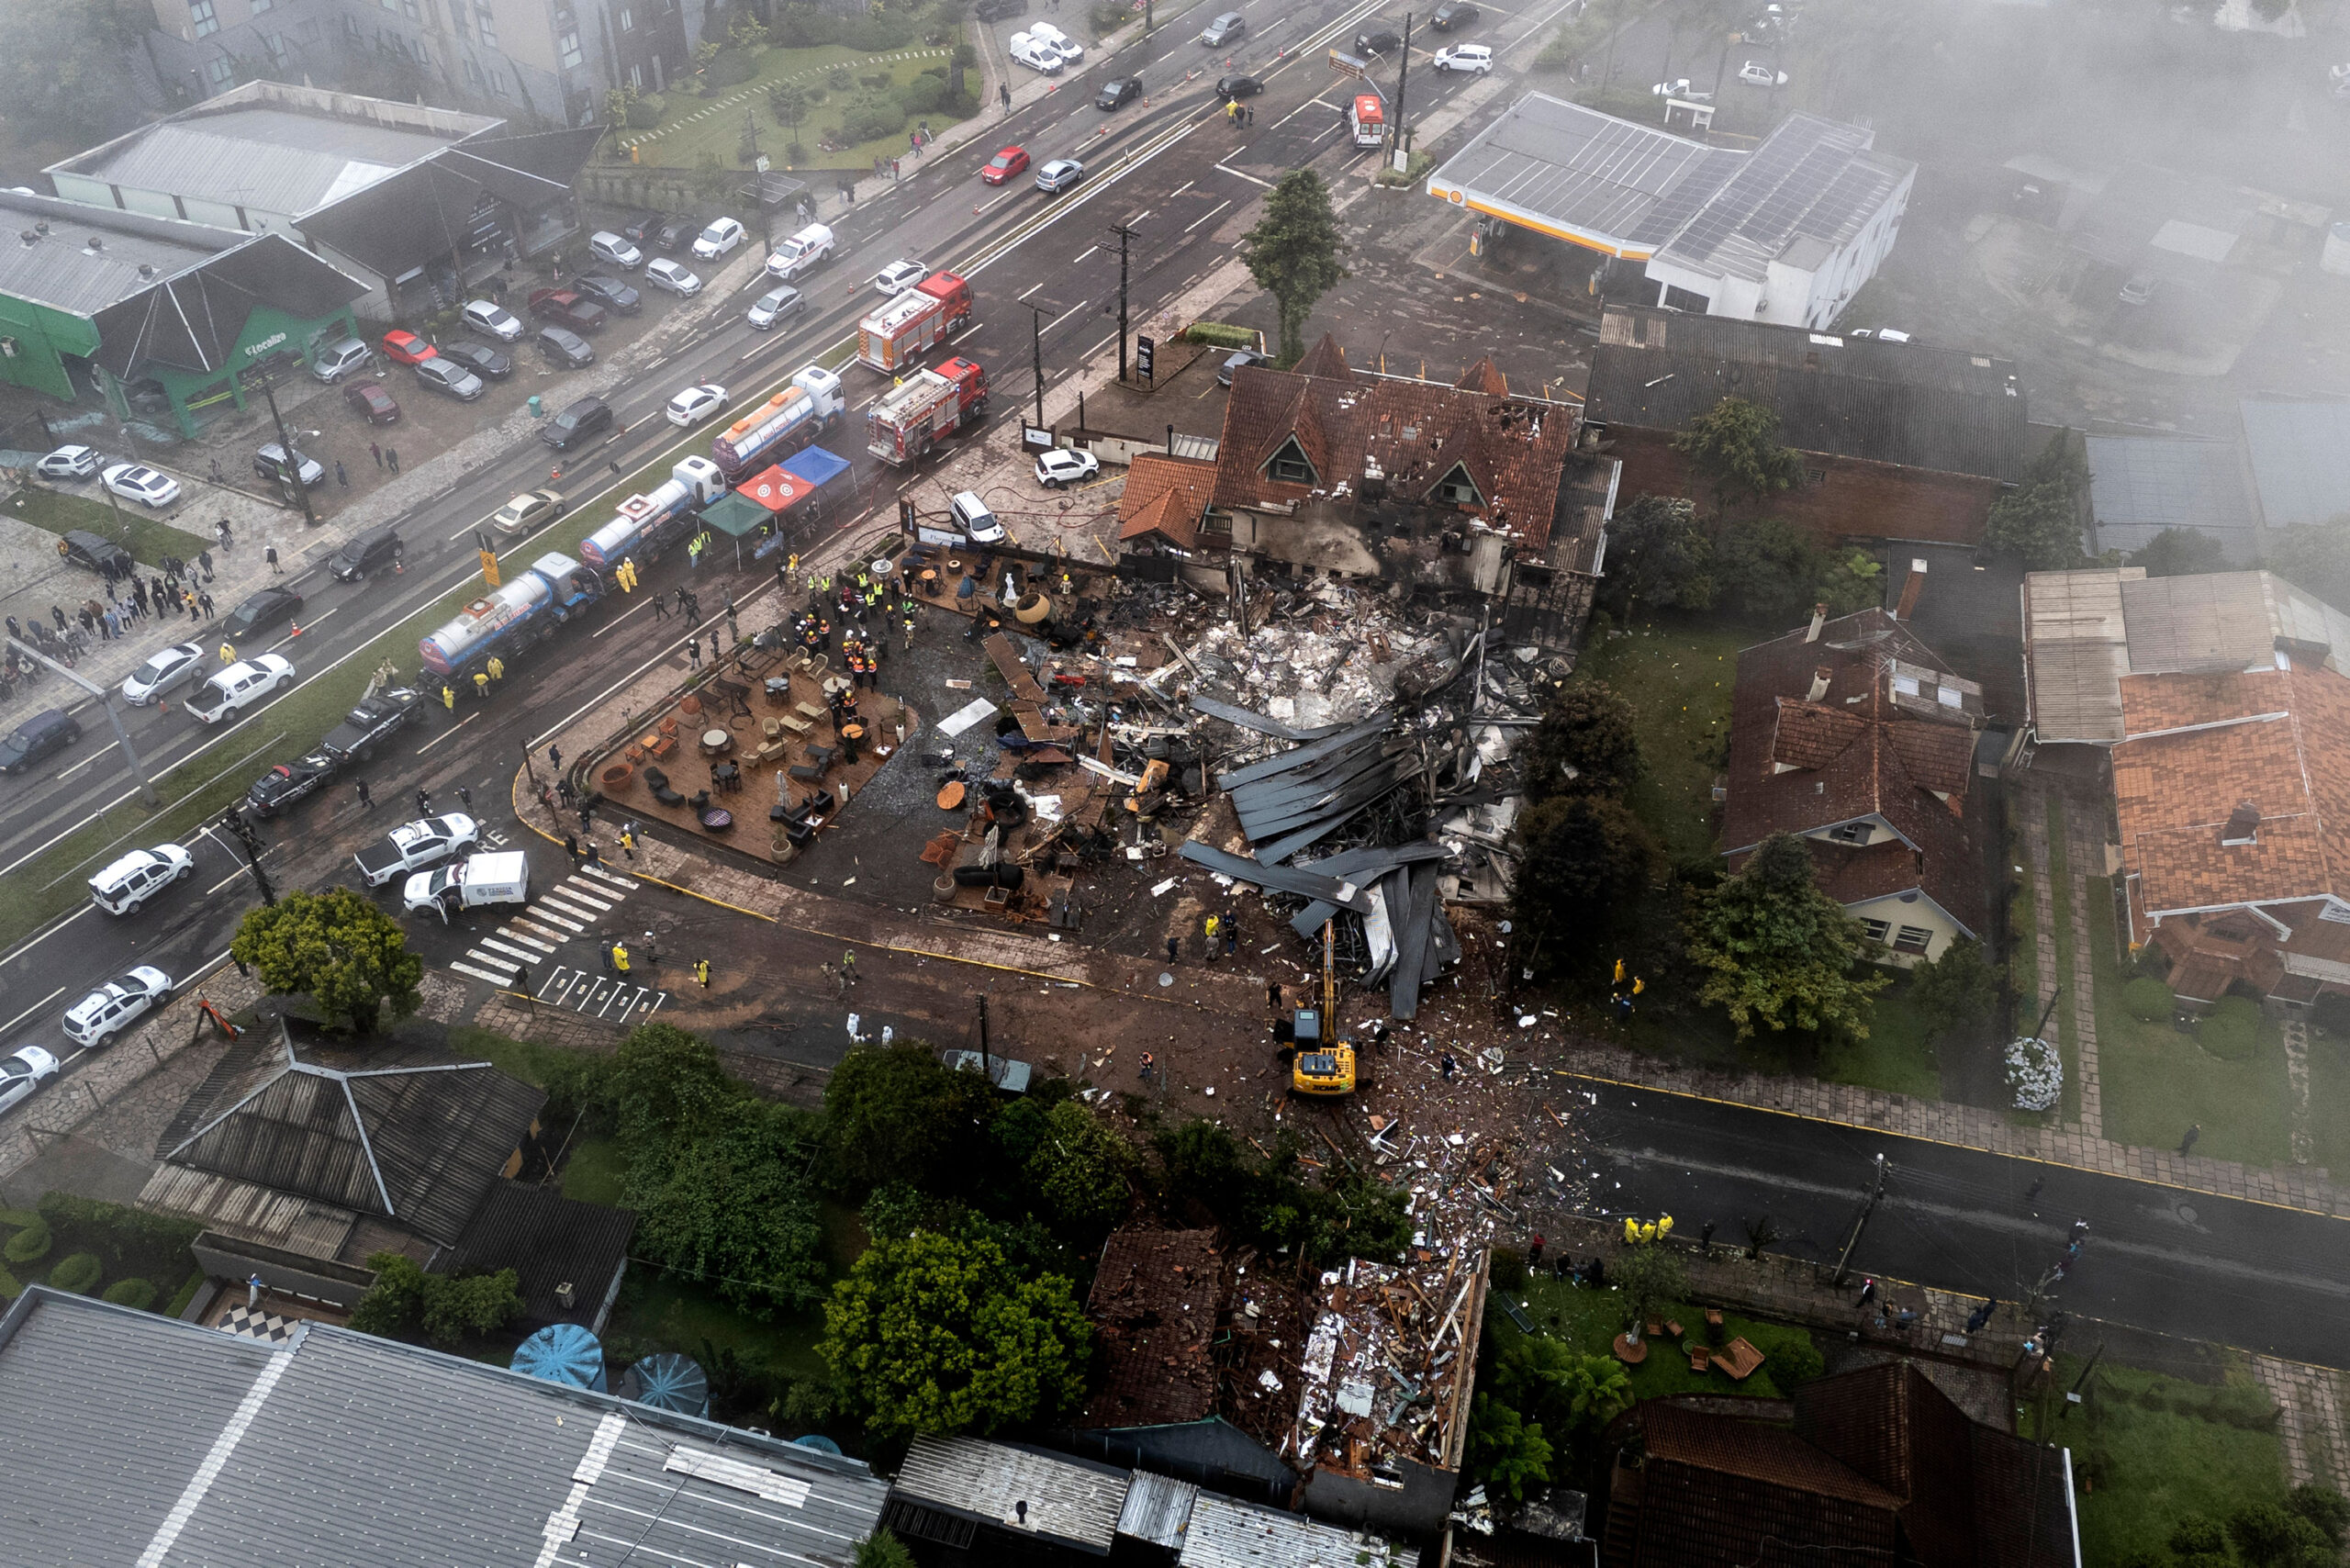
(922,95)
(29,1245)
(126,1240)
(732,68)
(1795,1360)
(1106,18)
(2328,1015)
(1509,1269)
(840,78)
(2230,1029)
(10,1286)
(647,112)
(2148,1000)
(878,80)
(966,56)
(81,1273)
(870,119)
(1218,334)
(186,1294)
(876,33)
(937,70)
(137,1294)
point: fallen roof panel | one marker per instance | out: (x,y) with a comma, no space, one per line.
(1249,719)
(1412,937)
(1283,761)
(1282,879)
(1337,805)
(1307,783)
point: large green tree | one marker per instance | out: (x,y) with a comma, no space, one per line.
(447,1310)
(1508,1450)
(933,1333)
(1955,989)
(1658,556)
(63,76)
(1734,446)
(1769,570)
(340,949)
(901,1115)
(732,1207)
(1079,1169)
(1582,862)
(1292,252)
(2180,553)
(1588,742)
(2039,522)
(1776,951)
(2314,558)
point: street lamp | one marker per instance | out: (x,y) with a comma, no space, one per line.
(285,444)
(1037,352)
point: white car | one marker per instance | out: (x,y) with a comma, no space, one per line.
(1058,176)
(899,276)
(22,1074)
(240,686)
(777,304)
(412,847)
(115,1005)
(71,463)
(718,239)
(1754,73)
(1474,57)
(137,482)
(174,666)
(1679,87)
(1070,50)
(1065,466)
(666,273)
(696,404)
(126,883)
(1882,335)
(606,246)
(1036,55)
(493,320)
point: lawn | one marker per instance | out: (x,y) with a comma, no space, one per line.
(659,1313)
(2330,1101)
(2157,1079)
(1590,1319)
(133,527)
(2060,914)
(1677,675)
(591,1172)
(1894,1058)
(699,128)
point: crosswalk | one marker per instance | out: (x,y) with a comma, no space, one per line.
(578,907)
(609,997)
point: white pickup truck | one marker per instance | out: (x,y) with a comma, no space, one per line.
(801,252)
(476,880)
(239,687)
(412,847)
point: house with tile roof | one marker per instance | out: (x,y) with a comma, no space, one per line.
(1164,508)
(2222,705)
(1856,737)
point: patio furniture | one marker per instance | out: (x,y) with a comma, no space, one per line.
(809,712)
(1628,1350)
(1738,1358)
(1672,1329)
(1700,1357)
(794,726)
(770,726)
(1714,1324)
(805,774)
(714,741)
(716,819)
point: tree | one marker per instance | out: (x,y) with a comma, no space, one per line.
(2323,1507)
(2180,553)
(64,71)
(1647,1277)
(2197,1541)
(1507,1449)
(1769,571)
(789,103)
(1854,580)
(1292,252)
(940,1334)
(2314,558)
(882,1550)
(2039,522)
(665,1085)
(1587,744)
(1574,1396)
(732,1207)
(2268,1535)
(1954,989)
(405,1300)
(901,1115)
(1778,951)
(349,956)
(1734,446)
(1079,1170)
(1658,555)
(1582,861)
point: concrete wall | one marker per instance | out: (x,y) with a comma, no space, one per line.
(318,1279)
(1852,499)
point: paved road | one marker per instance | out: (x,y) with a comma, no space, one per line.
(2243,1273)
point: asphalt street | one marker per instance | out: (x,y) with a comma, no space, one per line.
(2250,1274)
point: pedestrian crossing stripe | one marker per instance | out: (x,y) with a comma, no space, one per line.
(572,903)
(463,968)
(495,945)
(523,930)
(613,878)
(588,885)
(572,926)
(512,933)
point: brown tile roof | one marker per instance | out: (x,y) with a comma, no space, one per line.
(1325,358)
(1775,1454)
(1484,377)
(1164,496)
(1155,1299)
(1798,765)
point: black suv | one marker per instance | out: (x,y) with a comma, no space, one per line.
(479,358)
(643,227)
(42,736)
(610,293)
(370,551)
(676,235)
(564,350)
(1453,14)
(1381,42)
(84,549)
(588,417)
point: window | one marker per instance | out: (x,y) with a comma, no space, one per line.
(410,7)
(498,83)
(567,46)
(473,75)
(1458,489)
(628,22)
(636,78)
(488,28)
(207,20)
(276,44)
(222,72)
(1290,465)
(1913,939)
(1852,832)
(1876,930)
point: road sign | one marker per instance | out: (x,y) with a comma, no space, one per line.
(1144,350)
(489,567)
(761,164)
(1348,65)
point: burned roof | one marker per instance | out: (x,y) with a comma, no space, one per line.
(192,321)
(1946,409)
(1227,1533)
(548,1240)
(1154,1305)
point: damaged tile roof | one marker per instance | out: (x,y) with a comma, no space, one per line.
(1154,1304)
(1166,496)
(1403,439)
(1865,721)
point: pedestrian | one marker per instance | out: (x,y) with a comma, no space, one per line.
(701,972)
(366,801)
(1868,1292)
(392,458)
(448,697)
(1211,926)
(594,858)
(1172,948)
(227,538)
(481,685)
(693,651)
(57,613)
(497,668)
(377,452)
(1148,1062)
(2033,1191)
(341,477)
(465,796)
(2194,1131)
(269,553)
(1251,112)
(423,801)
(1003,91)
(555,757)
(840,983)
(660,608)
(1534,1252)
(111,625)
(1981,1315)
(1273,998)
(893,171)
(604,951)
(619,957)
(713,647)
(628,843)
(1231,940)
(204,603)
(848,966)
(571,847)
(227,653)
(1448,1066)
(204,559)
(587,815)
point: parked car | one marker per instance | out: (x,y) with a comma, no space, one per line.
(246,684)
(479,358)
(778,304)
(640,230)
(973,519)
(696,404)
(1472,57)
(406,348)
(493,320)
(563,348)
(1004,164)
(70,462)
(673,276)
(675,235)
(264,610)
(25,1070)
(448,375)
(37,739)
(2139,287)
(370,551)
(1380,41)
(1882,335)
(721,238)
(1226,28)
(1070,50)
(1232,89)
(127,881)
(563,307)
(897,277)
(270,464)
(613,251)
(1117,91)
(1239,361)
(1065,466)
(372,403)
(1059,174)
(82,548)
(1680,88)
(137,482)
(1756,73)
(162,673)
(1036,55)
(339,359)
(414,846)
(612,293)
(1453,14)
(116,1005)
(587,417)
(527,511)
(290,783)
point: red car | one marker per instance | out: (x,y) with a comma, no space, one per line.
(566,308)
(1005,164)
(407,348)
(370,402)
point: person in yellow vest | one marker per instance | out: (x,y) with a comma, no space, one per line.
(227,653)
(481,685)
(1648,1232)
(1632,1231)
(619,957)
(448,697)
(1664,1227)
(497,668)
(701,972)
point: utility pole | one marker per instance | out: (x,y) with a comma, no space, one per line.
(235,826)
(1123,234)
(2072,1394)
(1402,79)
(1037,355)
(105,701)
(1877,1190)
(987,1070)
(285,445)
(759,178)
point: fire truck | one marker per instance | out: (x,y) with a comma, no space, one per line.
(1367,120)
(901,331)
(907,423)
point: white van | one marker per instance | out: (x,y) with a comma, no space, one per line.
(500,878)
(801,252)
(1035,54)
(128,883)
(973,519)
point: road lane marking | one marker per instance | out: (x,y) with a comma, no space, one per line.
(29,1012)
(1210,213)
(1250,178)
(447,733)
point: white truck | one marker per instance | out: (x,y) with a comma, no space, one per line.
(500,878)
(239,687)
(802,253)
(412,847)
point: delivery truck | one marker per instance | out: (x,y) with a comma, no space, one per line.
(780,426)
(908,421)
(915,322)
(502,877)
(650,523)
(508,619)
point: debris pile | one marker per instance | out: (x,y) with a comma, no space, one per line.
(1391,1356)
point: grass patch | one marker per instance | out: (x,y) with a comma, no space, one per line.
(1588,1320)
(134,528)
(659,1314)
(592,1171)
(2157,1081)
(1897,1056)
(2060,914)
(680,140)
(2330,1101)
(1677,675)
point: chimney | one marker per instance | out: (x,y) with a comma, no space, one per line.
(1819,678)
(1819,619)
(1910,589)
(567,1295)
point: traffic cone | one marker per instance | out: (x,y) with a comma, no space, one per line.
(295,631)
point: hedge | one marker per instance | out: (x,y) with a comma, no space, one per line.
(875,34)
(647,112)
(2230,1029)
(870,119)
(922,95)
(730,67)
(1219,334)
(29,1245)
(128,1240)
(10,1287)
(79,1273)
(186,1294)
(2148,1000)
(137,1294)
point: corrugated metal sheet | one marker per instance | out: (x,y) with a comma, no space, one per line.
(1066,1500)
(2295,449)
(2075,652)
(1157,1509)
(2140,486)
(252,1213)
(548,1240)
(1229,1534)
(263,158)
(1283,879)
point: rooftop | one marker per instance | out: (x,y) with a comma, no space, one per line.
(1970,611)
(1800,195)
(1072,1502)
(1946,409)
(1154,1305)
(2141,485)
(548,1240)
(58,266)
(1226,1533)
(2295,448)
(166,1443)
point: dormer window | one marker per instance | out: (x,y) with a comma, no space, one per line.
(1290,465)
(1456,489)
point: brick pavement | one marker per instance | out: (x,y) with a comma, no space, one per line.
(2309,1403)
(2085,838)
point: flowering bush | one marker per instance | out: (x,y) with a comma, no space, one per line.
(2036,1073)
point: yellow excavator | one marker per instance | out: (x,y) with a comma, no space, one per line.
(1325,1064)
